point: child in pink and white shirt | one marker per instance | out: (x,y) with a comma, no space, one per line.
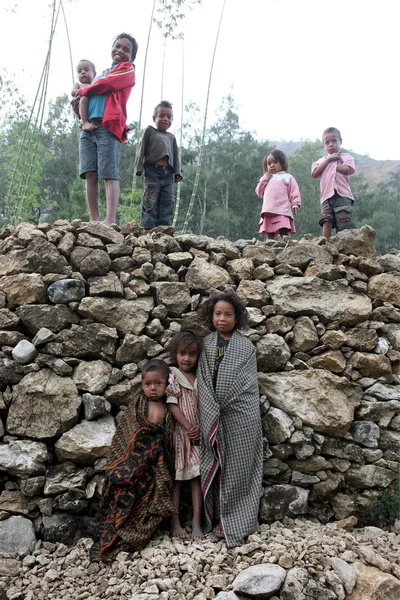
(281,196)
(336,197)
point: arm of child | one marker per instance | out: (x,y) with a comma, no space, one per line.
(75,88)
(319,166)
(346,165)
(294,195)
(177,164)
(139,162)
(120,78)
(193,432)
(262,184)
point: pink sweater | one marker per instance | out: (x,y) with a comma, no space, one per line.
(280,193)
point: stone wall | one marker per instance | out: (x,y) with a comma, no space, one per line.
(82,306)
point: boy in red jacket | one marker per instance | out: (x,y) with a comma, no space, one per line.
(99,149)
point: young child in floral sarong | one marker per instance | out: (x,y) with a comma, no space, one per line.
(138,488)
(183,402)
(231,450)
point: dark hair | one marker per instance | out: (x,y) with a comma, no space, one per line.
(238,304)
(332,130)
(155,364)
(163,104)
(88,61)
(132,41)
(279,156)
(183,339)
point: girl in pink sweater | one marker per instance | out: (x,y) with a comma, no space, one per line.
(281,196)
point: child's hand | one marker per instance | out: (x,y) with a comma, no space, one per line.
(178,178)
(194,434)
(295,210)
(334,156)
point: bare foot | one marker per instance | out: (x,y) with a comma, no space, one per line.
(176,529)
(178,532)
(218,531)
(107,223)
(197,532)
(88,126)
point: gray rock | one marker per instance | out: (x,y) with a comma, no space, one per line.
(322,400)
(125,316)
(329,300)
(295,584)
(23,457)
(260,581)
(10,371)
(93,340)
(277,426)
(345,572)
(55,318)
(203,275)
(272,353)
(95,406)
(175,297)
(63,477)
(44,405)
(92,376)
(65,291)
(16,535)
(365,433)
(90,262)
(87,441)
(281,501)
(26,288)
(24,352)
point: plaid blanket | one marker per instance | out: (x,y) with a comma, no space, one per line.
(231,439)
(138,490)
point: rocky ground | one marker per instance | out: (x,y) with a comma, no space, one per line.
(290,560)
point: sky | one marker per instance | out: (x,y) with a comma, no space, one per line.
(294,67)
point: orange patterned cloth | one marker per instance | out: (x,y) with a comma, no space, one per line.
(138,490)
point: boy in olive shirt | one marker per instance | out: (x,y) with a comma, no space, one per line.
(159,159)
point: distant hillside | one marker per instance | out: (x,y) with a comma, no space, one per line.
(375,171)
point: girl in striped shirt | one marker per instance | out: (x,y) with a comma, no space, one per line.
(183,401)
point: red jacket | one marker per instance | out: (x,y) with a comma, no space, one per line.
(117,84)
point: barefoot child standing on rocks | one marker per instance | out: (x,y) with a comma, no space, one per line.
(184,404)
(137,494)
(231,452)
(336,197)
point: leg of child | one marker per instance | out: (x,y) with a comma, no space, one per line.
(197,533)
(112,200)
(271,236)
(283,232)
(92,195)
(176,529)
(327,229)
(83,111)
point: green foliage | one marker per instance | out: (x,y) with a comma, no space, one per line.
(386,508)
(171,15)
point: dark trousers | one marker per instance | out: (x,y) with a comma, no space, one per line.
(158,196)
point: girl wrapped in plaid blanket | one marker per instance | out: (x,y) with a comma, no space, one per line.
(230,423)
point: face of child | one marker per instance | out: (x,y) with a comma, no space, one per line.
(121,51)
(187,358)
(85,72)
(332,142)
(274,166)
(163,120)
(224,318)
(154,385)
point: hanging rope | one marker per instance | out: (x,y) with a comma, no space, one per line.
(28,148)
(199,164)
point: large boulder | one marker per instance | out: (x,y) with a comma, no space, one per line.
(126,316)
(16,535)
(174,296)
(322,400)
(92,376)
(385,287)
(23,457)
(26,288)
(329,300)
(204,276)
(44,405)
(272,353)
(281,501)
(93,340)
(55,318)
(87,441)
(359,242)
